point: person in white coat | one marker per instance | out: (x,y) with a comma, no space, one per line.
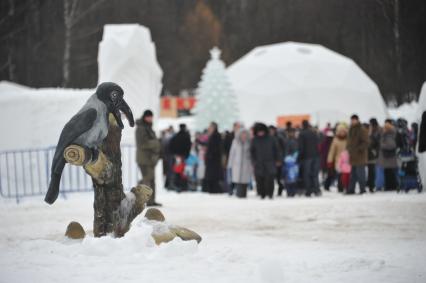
(239,162)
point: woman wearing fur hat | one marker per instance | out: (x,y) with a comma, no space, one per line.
(338,145)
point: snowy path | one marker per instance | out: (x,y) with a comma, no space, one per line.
(371,238)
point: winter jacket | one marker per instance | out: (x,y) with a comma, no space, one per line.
(374,146)
(308,144)
(180,144)
(422,134)
(213,158)
(279,139)
(337,147)
(147,145)
(239,161)
(343,165)
(324,149)
(291,146)
(357,145)
(388,147)
(264,155)
(227,142)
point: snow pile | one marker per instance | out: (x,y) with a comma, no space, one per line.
(127,57)
(35,117)
(408,111)
(371,238)
(296,78)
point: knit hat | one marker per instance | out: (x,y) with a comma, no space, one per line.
(147,113)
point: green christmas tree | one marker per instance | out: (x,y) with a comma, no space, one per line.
(216,101)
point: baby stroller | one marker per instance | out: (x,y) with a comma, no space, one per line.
(291,174)
(408,173)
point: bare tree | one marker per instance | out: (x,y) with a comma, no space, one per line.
(73,14)
(396,34)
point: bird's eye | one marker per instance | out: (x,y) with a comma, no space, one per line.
(114,95)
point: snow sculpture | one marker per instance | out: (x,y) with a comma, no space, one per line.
(296,78)
(127,57)
(215,98)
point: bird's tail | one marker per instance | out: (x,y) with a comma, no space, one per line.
(55,180)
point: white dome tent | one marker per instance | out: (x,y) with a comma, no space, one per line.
(298,78)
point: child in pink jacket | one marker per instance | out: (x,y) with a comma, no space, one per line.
(344,168)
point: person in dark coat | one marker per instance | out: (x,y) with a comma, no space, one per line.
(324,148)
(358,154)
(309,158)
(180,144)
(373,153)
(166,155)
(148,149)
(229,138)
(413,136)
(291,142)
(279,139)
(213,161)
(179,147)
(227,143)
(265,157)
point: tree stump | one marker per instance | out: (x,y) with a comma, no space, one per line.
(113,210)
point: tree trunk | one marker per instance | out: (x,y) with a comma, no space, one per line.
(396,33)
(114,211)
(68,14)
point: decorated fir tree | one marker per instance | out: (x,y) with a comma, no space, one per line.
(215,98)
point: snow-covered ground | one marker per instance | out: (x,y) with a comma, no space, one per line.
(370,238)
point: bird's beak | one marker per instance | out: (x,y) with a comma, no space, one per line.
(123,107)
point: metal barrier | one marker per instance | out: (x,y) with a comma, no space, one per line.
(26,173)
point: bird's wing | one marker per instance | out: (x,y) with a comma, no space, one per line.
(78,125)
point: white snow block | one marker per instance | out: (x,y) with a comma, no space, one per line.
(127,57)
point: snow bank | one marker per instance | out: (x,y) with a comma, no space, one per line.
(32,118)
(297,78)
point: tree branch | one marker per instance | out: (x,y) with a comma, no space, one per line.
(80,16)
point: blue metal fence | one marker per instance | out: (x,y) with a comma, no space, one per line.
(26,173)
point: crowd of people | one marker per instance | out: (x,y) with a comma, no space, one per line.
(299,160)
